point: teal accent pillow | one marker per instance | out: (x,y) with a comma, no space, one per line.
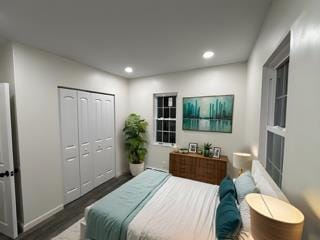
(244,185)
(227,186)
(228,219)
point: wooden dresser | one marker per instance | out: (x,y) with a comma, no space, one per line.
(198,167)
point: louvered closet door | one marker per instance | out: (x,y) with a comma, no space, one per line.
(69,141)
(103,137)
(85,152)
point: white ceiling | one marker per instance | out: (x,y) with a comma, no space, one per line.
(152,36)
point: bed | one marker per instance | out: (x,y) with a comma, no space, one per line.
(155,205)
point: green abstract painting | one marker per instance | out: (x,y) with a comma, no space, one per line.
(213,113)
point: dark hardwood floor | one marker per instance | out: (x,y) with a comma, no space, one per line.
(71,213)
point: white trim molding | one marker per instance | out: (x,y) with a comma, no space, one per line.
(41,218)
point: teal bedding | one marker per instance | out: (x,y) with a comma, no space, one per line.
(109,217)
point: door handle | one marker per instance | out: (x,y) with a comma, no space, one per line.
(4,174)
(8,174)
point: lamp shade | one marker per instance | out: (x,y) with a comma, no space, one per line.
(242,161)
(272,218)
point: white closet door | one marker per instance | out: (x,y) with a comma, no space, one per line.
(85,152)
(103,137)
(109,136)
(69,141)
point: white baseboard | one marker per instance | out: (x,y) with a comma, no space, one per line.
(43,217)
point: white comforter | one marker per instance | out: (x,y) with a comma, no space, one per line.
(181,209)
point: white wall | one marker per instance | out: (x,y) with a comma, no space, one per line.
(276,26)
(6,65)
(301,164)
(226,79)
(37,75)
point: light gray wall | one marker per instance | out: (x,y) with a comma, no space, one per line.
(6,65)
(279,19)
(301,164)
(37,75)
(226,79)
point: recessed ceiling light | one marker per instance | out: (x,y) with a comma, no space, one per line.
(128,69)
(208,54)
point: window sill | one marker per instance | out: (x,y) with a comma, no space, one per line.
(170,145)
(277,130)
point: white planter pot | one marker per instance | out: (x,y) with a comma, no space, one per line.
(136,169)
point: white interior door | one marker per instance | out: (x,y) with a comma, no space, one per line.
(69,141)
(8,215)
(85,152)
(103,137)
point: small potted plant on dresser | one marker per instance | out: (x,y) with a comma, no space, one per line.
(135,139)
(206,149)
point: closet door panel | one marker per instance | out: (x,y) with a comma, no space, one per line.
(69,141)
(109,136)
(85,152)
(98,149)
(103,128)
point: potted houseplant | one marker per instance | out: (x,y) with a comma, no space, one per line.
(206,149)
(135,139)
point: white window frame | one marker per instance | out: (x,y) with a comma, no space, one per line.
(268,98)
(155,118)
(271,101)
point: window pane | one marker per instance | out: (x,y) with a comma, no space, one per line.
(160,112)
(174,101)
(275,150)
(160,101)
(165,137)
(281,95)
(172,112)
(269,166)
(276,176)
(285,77)
(159,136)
(166,113)
(166,125)
(159,125)
(172,137)
(280,112)
(166,101)
(172,125)
(280,79)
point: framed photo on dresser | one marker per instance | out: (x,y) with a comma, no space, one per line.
(216,152)
(193,147)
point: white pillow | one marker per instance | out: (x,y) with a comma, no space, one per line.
(265,183)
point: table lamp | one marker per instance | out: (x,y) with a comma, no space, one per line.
(242,161)
(272,218)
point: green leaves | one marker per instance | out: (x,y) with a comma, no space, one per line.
(135,138)
(207,146)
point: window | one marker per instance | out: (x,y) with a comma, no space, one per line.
(165,118)
(276,131)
